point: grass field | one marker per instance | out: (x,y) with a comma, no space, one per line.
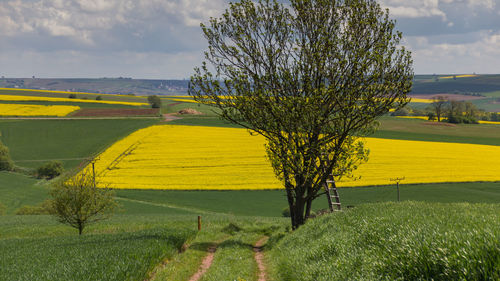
(42,140)
(408,241)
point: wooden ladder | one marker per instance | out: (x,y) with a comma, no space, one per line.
(332,194)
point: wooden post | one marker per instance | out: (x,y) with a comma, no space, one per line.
(199,223)
(398,180)
(93,172)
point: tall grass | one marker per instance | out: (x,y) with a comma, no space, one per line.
(391,241)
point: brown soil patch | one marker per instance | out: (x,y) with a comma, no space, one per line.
(439,124)
(189,111)
(169,117)
(116,112)
(205,264)
(259,258)
(456,97)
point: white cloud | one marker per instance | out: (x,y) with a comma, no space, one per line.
(82,20)
(482,56)
(414,9)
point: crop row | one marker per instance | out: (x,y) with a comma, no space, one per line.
(36,110)
(53,99)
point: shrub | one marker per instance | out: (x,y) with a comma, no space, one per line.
(77,203)
(50,170)
(155,101)
(72,96)
(6,163)
(98,98)
(286,212)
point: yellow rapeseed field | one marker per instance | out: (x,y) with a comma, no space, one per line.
(422,100)
(182,100)
(458,76)
(36,110)
(195,157)
(36,98)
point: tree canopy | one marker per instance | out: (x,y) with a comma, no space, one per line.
(311,77)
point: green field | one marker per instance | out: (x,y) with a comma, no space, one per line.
(104,97)
(445,230)
(33,142)
(408,241)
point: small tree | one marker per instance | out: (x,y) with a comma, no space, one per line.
(98,98)
(6,163)
(155,101)
(77,203)
(438,104)
(72,96)
(50,170)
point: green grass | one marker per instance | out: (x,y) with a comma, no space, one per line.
(270,203)
(415,129)
(42,140)
(126,247)
(19,190)
(391,241)
(234,259)
(116,254)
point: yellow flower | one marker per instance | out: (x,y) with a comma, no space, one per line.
(196,157)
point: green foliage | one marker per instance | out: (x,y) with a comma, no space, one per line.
(391,241)
(77,202)
(286,212)
(72,96)
(50,170)
(280,71)
(2,209)
(155,101)
(98,98)
(6,163)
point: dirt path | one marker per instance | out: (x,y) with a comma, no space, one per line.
(259,257)
(205,264)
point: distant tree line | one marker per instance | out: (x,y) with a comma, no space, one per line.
(443,109)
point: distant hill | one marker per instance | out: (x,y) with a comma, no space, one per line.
(423,84)
(125,86)
(450,84)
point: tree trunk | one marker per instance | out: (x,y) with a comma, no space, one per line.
(291,207)
(298,212)
(80,228)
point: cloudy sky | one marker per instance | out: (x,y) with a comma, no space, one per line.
(162,39)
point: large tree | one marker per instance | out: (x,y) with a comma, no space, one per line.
(311,77)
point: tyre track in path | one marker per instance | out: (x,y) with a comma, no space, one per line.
(205,264)
(259,258)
